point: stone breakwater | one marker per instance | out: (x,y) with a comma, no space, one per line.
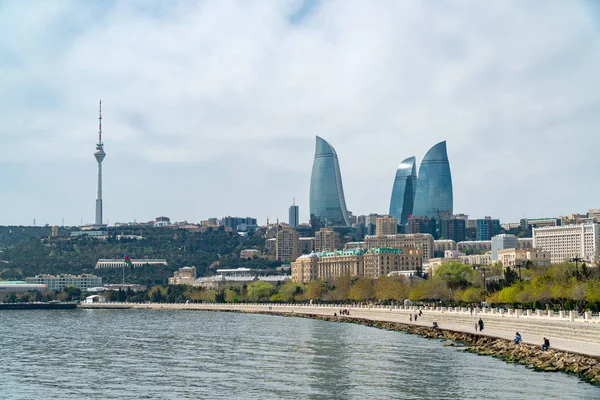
(586,367)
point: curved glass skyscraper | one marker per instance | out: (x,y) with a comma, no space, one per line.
(434,184)
(403,193)
(327,201)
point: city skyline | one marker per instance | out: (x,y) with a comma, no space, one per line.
(205,126)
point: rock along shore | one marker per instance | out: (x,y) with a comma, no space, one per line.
(586,367)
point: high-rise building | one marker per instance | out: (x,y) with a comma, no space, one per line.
(487,228)
(287,244)
(453,229)
(294,215)
(327,202)
(501,242)
(433,197)
(326,239)
(99,154)
(239,223)
(403,191)
(567,242)
(386,225)
(422,225)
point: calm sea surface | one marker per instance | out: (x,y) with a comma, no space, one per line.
(125,354)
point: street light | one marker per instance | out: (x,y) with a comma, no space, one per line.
(477,267)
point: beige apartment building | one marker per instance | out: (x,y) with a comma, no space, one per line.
(306,268)
(287,244)
(334,264)
(386,225)
(512,258)
(357,262)
(422,241)
(326,239)
(380,262)
(307,245)
(444,244)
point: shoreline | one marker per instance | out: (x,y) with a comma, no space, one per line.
(585,366)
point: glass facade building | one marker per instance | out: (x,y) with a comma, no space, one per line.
(403,192)
(327,201)
(433,197)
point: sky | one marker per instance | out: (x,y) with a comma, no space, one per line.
(211,108)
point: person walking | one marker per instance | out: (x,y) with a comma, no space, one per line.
(480,322)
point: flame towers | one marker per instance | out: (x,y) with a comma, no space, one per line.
(327,201)
(403,192)
(433,197)
(99,154)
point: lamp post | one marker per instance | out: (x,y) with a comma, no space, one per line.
(483,269)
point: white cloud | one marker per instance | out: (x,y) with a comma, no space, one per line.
(223,99)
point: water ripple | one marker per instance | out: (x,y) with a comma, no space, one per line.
(154,354)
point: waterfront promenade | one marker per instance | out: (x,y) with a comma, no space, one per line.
(567,332)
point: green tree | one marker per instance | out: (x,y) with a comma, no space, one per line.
(340,289)
(260,291)
(391,288)
(314,290)
(361,290)
(289,291)
(455,274)
(430,289)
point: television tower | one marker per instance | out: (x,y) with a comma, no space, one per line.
(99,154)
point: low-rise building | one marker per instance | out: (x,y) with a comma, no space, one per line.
(373,263)
(184,276)
(476,259)
(20,287)
(306,268)
(513,258)
(249,253)
(444,244)
(354,245)
(525,243)
(381,261)
(120,263)
(422,241)
(59,282)
(474,246)
(503,241)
